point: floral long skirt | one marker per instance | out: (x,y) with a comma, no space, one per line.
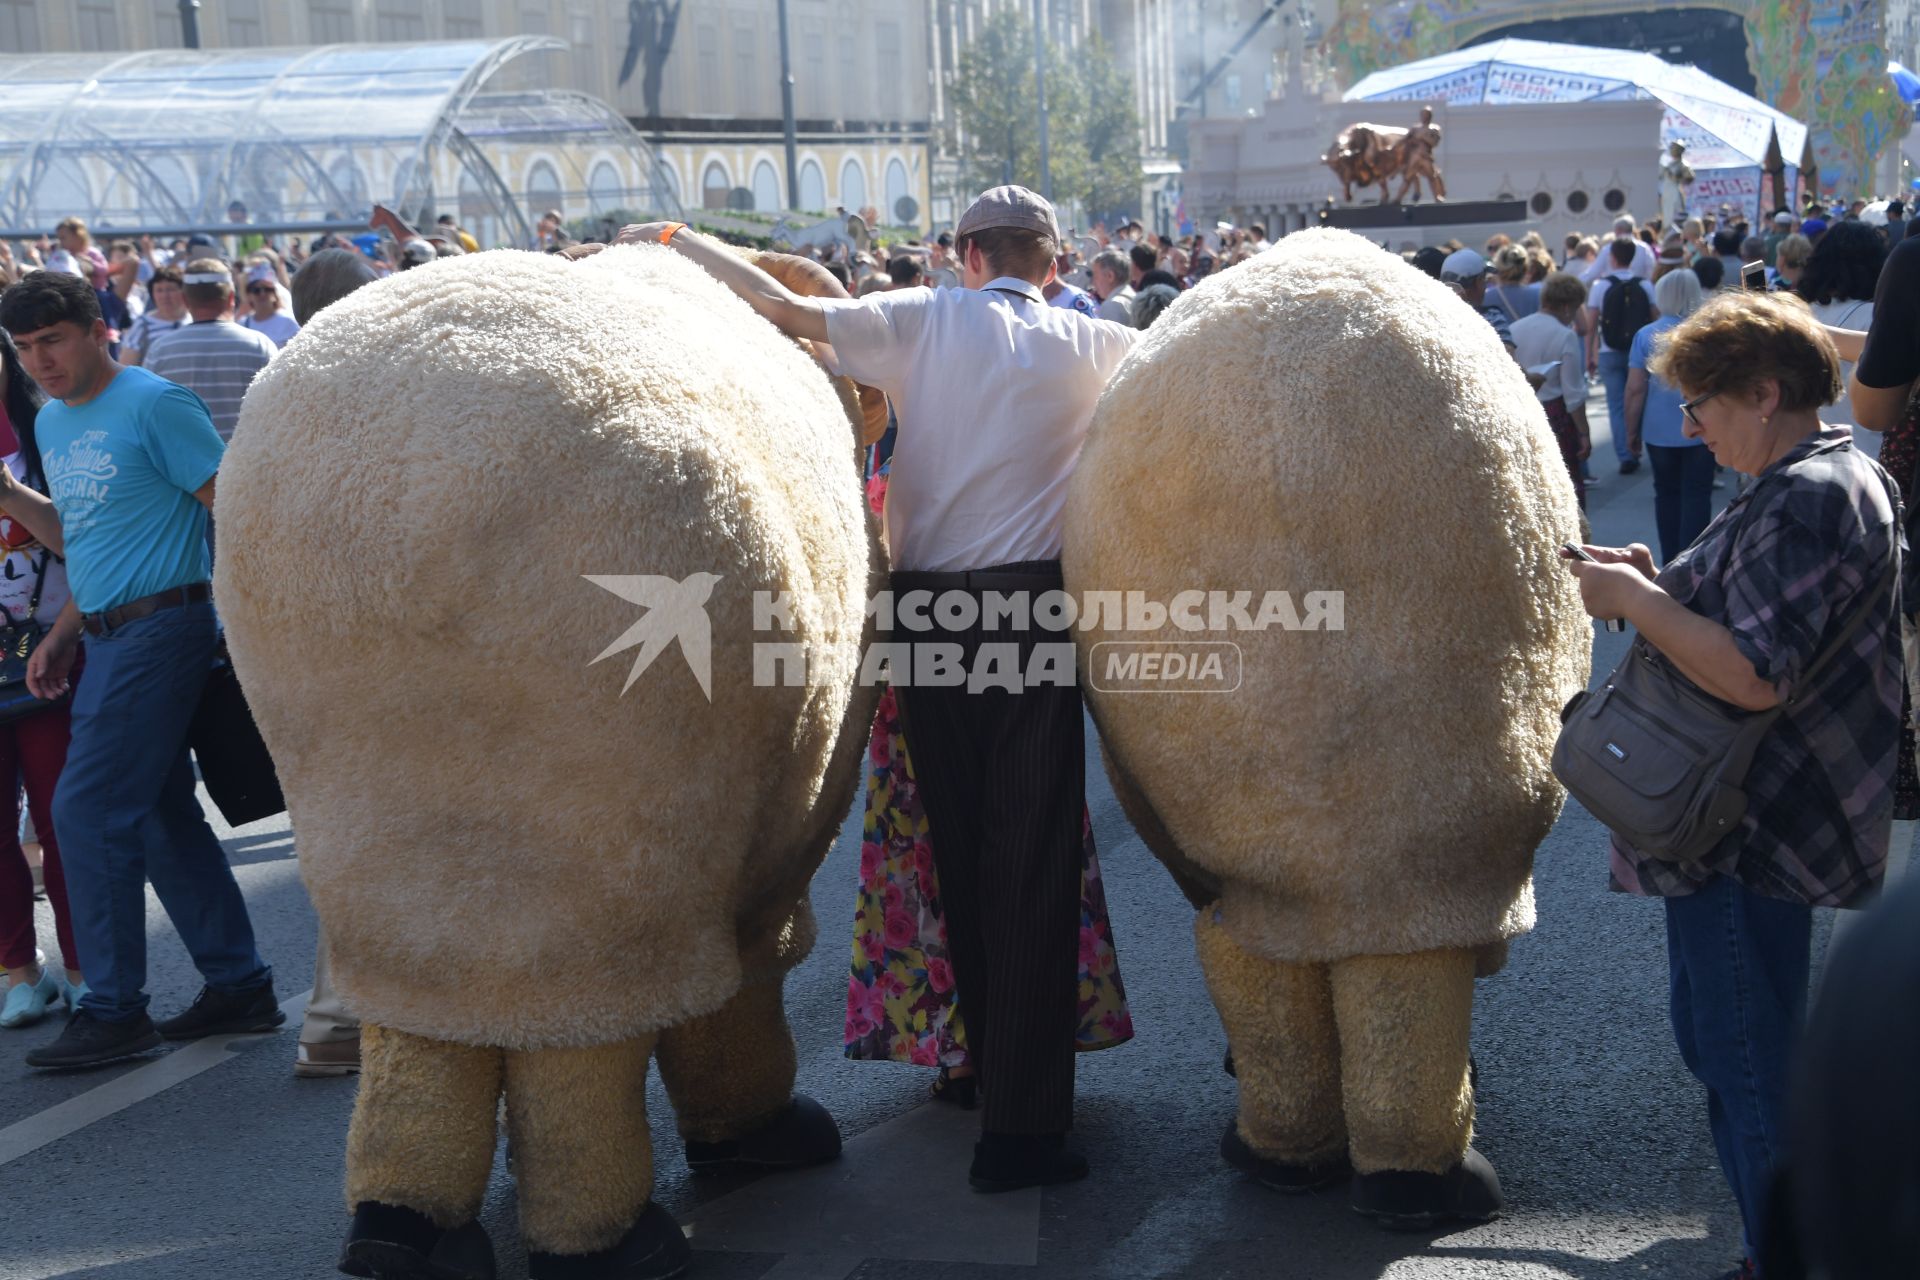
(900,1000)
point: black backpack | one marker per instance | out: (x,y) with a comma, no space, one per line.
(1624,312)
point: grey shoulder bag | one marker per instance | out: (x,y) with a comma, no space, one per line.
(1662,763)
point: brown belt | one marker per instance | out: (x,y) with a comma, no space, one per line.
(98,624)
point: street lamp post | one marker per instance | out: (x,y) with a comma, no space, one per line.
(786,110)
(190,24)
(1040,88)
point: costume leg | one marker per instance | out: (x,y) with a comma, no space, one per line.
(577,1119)
(731,1071)
(1280,1024)
(422,1134)
(1405,1023)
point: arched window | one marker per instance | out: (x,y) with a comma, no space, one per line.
(605,190)
(813,188)
(714,186)
(543,188)
(898,185)
(853,185)
(766,188)
(668,182)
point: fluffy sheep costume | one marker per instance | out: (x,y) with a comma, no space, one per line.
(533,877)
(1356,821)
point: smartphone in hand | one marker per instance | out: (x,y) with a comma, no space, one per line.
(1578,552)
(1753,276)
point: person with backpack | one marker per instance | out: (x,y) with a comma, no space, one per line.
(1619,305)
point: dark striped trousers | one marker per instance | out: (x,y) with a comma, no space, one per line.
(1002,776)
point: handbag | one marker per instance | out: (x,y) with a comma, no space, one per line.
(233,757)
(18,640)
(1662,763)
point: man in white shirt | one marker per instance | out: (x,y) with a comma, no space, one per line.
(1551,352)
(1112,286)
(993,391)
(1643,260)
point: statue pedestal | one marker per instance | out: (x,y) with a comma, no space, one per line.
(1376,217)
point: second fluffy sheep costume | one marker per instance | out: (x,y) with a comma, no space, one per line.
(534,868)
(1355,820)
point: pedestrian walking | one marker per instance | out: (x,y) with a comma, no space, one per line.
(131,460)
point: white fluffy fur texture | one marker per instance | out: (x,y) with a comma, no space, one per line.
(503,848)
(1324,417)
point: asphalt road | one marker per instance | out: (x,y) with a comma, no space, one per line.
(214,1161)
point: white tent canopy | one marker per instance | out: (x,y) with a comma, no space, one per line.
(1729,136)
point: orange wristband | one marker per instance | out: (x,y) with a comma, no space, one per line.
(673,228)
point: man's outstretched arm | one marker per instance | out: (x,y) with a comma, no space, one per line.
(793,315)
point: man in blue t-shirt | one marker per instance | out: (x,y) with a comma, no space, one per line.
(130,461)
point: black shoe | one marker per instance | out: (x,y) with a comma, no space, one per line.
(959,1091)
(391,1242)
(89,1041)
(654,1248)
(1228,1067)
(1014,1161)
(1630,466)
(1290,1179)
(804,1134)
(1403,1201)
(224,1013)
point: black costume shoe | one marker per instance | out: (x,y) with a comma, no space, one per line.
(89,1041)
(390,1242)
(804,1134)
(654,1248)
(959,1091)
(1014,1161)
(1404,1201)
(224,1013)
(1291,1179)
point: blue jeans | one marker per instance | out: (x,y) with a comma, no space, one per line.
(126,813)
(1613,376)
(1738,964)
(1682,494)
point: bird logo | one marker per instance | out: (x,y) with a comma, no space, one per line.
(674,610)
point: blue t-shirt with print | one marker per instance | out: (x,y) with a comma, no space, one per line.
(1660,422)
(122,470)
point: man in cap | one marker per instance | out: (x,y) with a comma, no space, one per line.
(993,391)
(1465,272)
(213,357)
(1770,244)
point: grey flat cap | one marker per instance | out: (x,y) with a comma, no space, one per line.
(1014,207)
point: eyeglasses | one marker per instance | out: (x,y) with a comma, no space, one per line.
(1688,406)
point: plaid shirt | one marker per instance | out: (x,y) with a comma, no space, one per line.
(1821,787)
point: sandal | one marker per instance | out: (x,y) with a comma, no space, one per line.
(962,1091)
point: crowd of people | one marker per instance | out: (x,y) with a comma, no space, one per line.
(1785,352)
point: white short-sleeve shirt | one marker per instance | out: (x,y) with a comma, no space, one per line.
(993,390)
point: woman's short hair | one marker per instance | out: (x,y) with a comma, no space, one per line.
(1150,302)
(1739,340)
(1845,265)
(1562,292)
(1012,251)
(1693,227)
(168,274)
(327,277)
(1539,265)
(1510,263)
(1678,293)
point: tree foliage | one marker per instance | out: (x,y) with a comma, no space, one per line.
(1093,131)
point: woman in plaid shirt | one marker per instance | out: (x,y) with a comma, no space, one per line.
(1742,612)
